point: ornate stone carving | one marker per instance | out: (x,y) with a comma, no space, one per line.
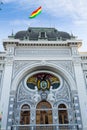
(19,65)
(36,96)
(9,60)
(67,65)
(51,95)
(63,93)
(22,94)
(10,51)
(74,51)
(84,66)
(76,61)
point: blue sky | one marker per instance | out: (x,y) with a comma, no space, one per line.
(64,15)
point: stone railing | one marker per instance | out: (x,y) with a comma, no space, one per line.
(46,127)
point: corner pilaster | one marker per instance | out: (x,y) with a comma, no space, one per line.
(6,90)
(81,91)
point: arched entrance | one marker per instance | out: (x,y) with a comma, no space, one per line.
(44,113)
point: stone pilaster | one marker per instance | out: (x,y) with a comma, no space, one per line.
(81,92)
(6,91)
(10,118)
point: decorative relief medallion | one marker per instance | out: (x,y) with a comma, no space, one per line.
(43,84)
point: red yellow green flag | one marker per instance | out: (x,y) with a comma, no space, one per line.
(36,12)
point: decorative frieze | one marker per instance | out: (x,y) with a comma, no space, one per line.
(42,52)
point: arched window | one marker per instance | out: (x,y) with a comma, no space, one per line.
(44,113)
(62,114)
(25,115)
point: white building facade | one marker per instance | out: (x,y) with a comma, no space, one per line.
(43,81)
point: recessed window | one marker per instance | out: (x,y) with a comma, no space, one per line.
(25,115)
(62,114)
(42,34)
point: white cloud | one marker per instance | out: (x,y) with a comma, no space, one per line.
(80,22)
(8,1)
(20,22)
(76,9)
(34,22)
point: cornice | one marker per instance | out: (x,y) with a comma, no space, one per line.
(17,42)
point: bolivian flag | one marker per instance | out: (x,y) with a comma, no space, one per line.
(36,12)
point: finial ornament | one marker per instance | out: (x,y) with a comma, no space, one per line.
(12,34)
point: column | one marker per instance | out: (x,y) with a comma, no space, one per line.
(33,117)
(81,92)
(55,116)
(10,116)
(77,111)
(6,91)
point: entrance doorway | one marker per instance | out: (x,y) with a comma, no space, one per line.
(44,113)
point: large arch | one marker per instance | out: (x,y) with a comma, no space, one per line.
(48,66)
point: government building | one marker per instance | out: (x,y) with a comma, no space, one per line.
(43,81)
